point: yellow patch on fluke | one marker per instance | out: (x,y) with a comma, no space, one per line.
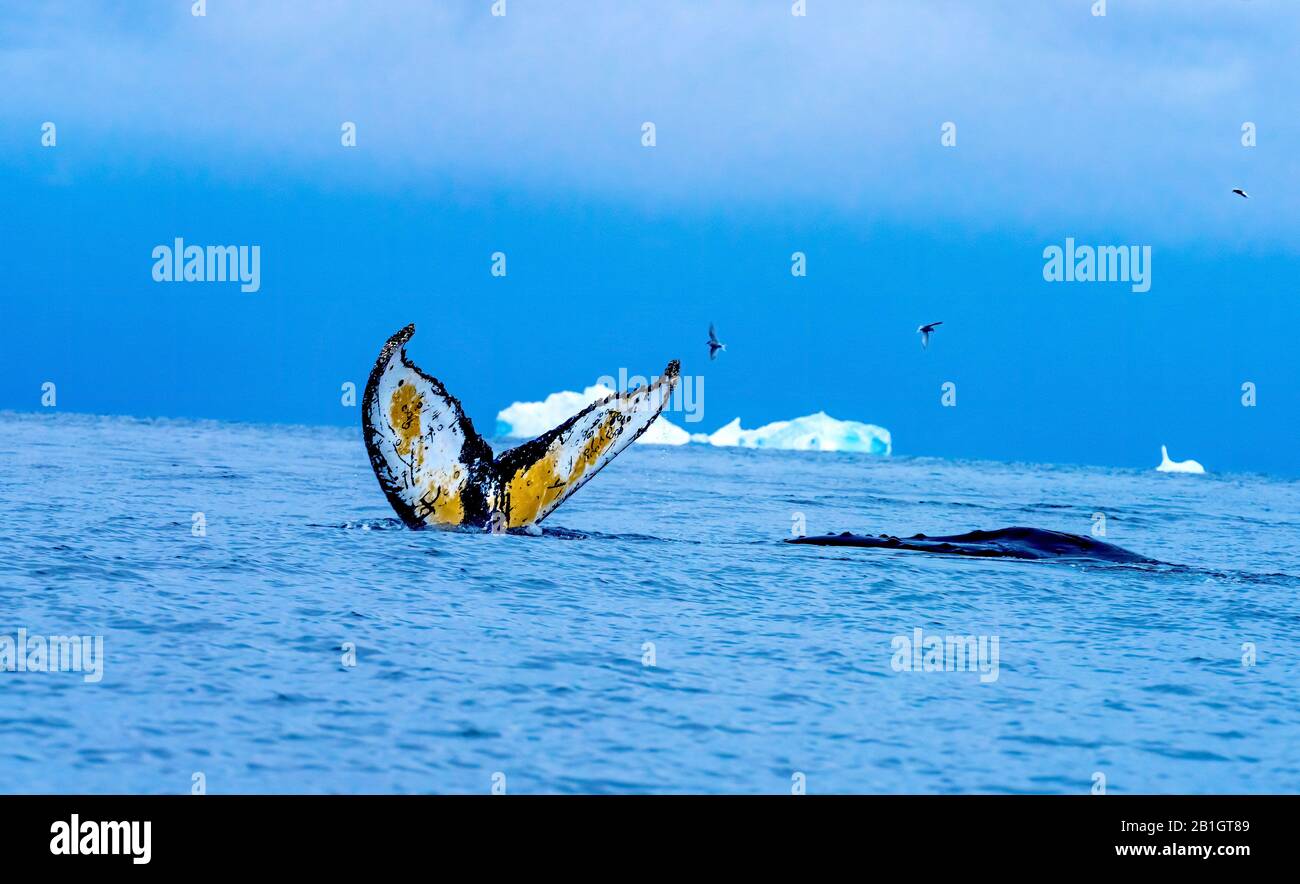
(442,501)
(404,415)
(532,489)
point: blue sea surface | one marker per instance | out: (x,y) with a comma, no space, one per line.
(527,658)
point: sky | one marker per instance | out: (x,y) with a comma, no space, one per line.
(774,134)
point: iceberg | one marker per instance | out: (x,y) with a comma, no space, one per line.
(814,432)
(664,432)
(1177,466)
(525,420)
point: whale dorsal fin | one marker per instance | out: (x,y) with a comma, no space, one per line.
(435,469)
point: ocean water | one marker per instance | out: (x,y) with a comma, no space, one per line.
(525,659)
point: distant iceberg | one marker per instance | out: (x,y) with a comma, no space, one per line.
(815,432)
(1177,466)
(664,432)
(525,420)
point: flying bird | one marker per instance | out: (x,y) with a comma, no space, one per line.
(1241,193)
(714,344)
(924,332)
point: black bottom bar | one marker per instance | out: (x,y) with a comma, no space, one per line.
(214,832)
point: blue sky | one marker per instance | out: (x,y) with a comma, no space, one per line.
(775,134)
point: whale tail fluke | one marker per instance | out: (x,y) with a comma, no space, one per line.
(430,461)
(536,477)
(435,469)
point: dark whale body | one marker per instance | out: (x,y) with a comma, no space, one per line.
(1006,543)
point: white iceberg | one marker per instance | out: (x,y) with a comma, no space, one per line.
(814,432)
(525,420)
(1177,466)
(664,432)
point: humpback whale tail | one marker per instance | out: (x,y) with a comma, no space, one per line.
(436,470)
